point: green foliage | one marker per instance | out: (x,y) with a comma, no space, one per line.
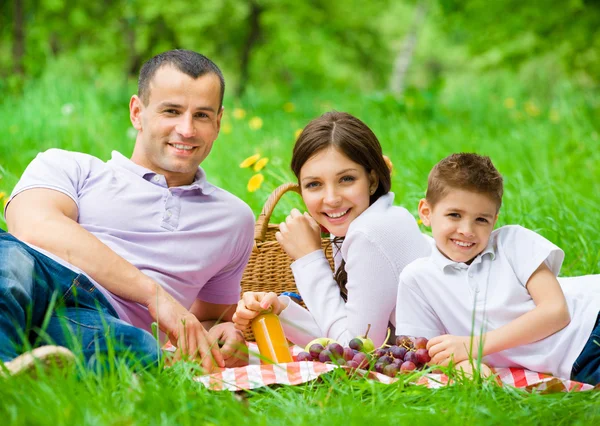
(512,32)
(298,44)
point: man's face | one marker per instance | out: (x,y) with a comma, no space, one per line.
(461,223)
(178,126)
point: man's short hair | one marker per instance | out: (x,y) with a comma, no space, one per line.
(466,171)
(187,61)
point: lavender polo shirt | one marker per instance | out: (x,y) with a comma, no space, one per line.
(194,240)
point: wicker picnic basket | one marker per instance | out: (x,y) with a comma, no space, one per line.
(269,266)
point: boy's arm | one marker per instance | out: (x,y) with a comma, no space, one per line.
(551,314)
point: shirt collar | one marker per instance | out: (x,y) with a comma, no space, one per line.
(199,182)
(443,262)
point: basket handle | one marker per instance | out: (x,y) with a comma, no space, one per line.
(262,223)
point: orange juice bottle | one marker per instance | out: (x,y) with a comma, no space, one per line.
(271,341)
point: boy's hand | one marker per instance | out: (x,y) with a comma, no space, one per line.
(444,348)
(252,304)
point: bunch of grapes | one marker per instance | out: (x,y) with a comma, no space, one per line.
(406,355)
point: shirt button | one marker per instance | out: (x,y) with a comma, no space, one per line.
(156,178)
(169,213)
(470,275)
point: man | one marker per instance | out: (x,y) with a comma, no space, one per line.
(112,247)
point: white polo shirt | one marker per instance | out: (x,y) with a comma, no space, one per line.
(439,296)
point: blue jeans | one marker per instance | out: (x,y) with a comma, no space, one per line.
(586,368)
(42,302)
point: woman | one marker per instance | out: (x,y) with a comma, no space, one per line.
(345,184)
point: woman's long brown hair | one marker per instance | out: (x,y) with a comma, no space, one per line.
(354,139)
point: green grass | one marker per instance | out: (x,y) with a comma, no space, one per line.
(545,145)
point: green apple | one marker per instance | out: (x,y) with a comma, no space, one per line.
(323,341)
(363,343)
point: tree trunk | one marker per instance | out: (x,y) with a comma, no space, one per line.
(254,34)
(405,55)
(18,50)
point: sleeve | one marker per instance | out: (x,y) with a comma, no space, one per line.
(527,250)
(225,287)
(371,285)
(414,315)
(55,169)
(298,323)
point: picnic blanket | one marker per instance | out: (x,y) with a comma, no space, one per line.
(256,375)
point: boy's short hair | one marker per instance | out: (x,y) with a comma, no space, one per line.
(467,171)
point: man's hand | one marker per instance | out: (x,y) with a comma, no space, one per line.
(252,304)
(184,330)
(232,344)
(299,235)
(444,348)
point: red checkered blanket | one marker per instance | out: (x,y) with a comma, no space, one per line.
(256,375)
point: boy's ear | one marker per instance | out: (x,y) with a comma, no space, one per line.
(425,212)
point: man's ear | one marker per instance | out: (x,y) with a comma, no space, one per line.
(374,182)
(425,211)
(135,112)
(219,117)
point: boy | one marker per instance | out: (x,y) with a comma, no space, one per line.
(498,288)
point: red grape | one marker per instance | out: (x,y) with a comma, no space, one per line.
(325,356)
(348,354)
(390,370)
(420,343)
(422,356)
(315,349)
(304,356)
(336,349)
(408,366)
(356,343)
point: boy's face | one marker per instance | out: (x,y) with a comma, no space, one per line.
(461,223)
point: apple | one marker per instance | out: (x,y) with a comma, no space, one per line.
(363,343)
(323,341)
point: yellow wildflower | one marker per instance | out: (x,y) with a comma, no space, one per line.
(297,133)
(249,161)
(226,128)
(289,107)
(554,116)
(509,103)
(255,182)
(260,164)
(255,123)
(388,162)
(239,113)
(419,222)
(532,109)
(2,195)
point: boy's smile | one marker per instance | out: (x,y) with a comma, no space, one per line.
(461,223)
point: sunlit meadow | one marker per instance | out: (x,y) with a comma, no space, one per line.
(543,138)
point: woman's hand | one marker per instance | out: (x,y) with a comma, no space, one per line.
(299,235)
(252,304)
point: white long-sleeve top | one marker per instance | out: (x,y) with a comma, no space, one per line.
(378,245)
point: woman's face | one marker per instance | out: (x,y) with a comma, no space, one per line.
(335,189)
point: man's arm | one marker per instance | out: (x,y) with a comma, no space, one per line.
(48,219)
